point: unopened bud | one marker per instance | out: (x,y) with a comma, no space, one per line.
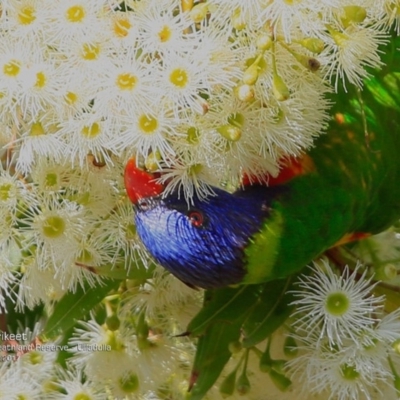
(244,92)
(281,381)
(353,15)
(264,42)
(313,44)
(227,386)
(279,88)
(243,384)
(339,37)
(396,346)
(199,12)
(311,63)
(386,272)
(113,322)
(250,76)
(279,365)
(229,132)
(235,347)
(238,21)
(265,364)
(187,5)
(152,162)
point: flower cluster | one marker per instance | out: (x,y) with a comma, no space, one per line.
(203,92)
(347,347)
(206,93)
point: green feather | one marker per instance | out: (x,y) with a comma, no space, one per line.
(354,185)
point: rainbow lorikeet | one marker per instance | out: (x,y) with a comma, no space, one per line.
(345,188)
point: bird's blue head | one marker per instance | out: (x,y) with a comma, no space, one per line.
(202,243)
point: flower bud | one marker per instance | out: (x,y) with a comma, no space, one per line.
(279,365)
(243,384)
(279,88)
(152,161)
(313,44)
(281,381)
(244,92)
(396,346)
(250,76)
(229,132)
(238,21)
(264,42)
(142,329)
(353,14)
(235,347)
(265,364)
(187,5)
(227,386)
(385,272)
(311,63)
(199,12)
(113,322)
(113,341)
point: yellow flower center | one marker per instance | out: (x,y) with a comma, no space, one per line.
(5,190)
(129,384)
(51,179)
(40,80)
(148,124)
(35,357)
(82,396)
(91,131)
(90,51)
(165,34)
(122,26)
(71,98)
(12,68)
(37,129)
(26,15)
(126,81)
(75,14)
(85,257)
(179,77)
(130,232)
(53,227)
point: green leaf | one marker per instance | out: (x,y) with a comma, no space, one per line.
(219,323)
(74,306)
(269,314)
(211,356)
(26,317)
(226,304)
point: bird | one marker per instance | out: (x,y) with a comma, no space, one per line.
(345,188)
(201,242)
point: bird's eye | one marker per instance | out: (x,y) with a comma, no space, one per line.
(144,204)
(196,218)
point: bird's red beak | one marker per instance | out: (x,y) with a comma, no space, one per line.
(139,183)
